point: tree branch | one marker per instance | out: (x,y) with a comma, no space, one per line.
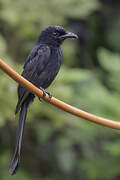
(68,108)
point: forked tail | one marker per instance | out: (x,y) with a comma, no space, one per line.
(16,158)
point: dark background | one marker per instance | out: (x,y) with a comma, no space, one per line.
(57,145)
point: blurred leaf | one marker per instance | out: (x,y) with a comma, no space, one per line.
(110,61)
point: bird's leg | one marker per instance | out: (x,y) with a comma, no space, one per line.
(45,92)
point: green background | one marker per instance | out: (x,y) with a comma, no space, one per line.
(57,145)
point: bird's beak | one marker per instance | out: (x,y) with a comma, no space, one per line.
(69,35)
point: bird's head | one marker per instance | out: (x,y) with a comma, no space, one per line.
(54,35)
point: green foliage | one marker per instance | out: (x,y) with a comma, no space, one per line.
(112,35)
(57,145)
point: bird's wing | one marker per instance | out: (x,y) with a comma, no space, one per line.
(33,67)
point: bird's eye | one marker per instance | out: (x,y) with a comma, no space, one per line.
(56,33)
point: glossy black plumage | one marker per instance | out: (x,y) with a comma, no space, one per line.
(40,68)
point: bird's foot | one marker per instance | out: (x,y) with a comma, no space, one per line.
(50,95)
(45,93)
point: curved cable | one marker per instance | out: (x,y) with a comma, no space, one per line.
(60,104)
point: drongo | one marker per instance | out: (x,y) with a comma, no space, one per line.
(40,68)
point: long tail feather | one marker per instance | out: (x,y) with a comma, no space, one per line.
(16,158)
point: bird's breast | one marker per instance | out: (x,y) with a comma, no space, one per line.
(52,67)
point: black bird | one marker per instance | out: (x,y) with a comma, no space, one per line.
(40,68)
